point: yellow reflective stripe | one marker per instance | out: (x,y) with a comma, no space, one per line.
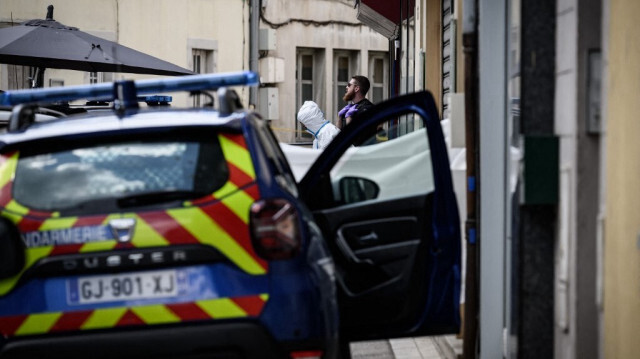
(38,323)
(237,155)
(7,284)
(155,314)
(239,204)
(58,223)
(16,207)
(221,308)
(218,308)
(7,169)
(12,217)
(225,190)
(31,256)
(35,253)
(97,246)
(207,231)
(104,318)
(145,236)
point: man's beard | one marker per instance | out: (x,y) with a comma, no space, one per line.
(349,96)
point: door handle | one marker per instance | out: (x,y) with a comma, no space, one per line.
(368,237)
(347,252)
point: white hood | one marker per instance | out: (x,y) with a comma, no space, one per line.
(312,117)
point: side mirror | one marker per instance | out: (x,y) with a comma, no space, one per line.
(357,189)
(12,249)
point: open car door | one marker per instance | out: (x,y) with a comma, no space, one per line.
(382,195)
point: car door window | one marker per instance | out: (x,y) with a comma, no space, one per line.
(384,167)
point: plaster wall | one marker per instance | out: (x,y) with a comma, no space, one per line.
(164,28)
(622,223)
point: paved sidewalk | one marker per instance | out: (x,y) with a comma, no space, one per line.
(440,347)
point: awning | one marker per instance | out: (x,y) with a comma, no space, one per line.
(383,16)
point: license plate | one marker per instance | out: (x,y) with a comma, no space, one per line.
(126,286)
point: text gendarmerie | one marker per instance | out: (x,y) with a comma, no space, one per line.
(75,235)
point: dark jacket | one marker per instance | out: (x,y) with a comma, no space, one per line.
(363,105)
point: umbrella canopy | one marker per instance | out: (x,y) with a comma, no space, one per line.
(50,44)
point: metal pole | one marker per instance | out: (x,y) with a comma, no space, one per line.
(492,175)
(254,22)
(470,45)
(407,50)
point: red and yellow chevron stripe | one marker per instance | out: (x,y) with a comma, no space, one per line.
(220,220)
(105,318)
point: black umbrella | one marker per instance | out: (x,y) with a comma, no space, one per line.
(50,44)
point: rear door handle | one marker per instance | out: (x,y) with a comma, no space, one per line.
(368,237)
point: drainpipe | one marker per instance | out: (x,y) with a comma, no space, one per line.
(254,22)
(470,46)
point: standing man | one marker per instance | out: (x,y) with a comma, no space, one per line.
(356,91)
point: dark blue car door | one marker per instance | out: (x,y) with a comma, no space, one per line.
(383,197)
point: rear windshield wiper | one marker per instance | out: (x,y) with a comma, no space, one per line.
(95,205)
(148,198)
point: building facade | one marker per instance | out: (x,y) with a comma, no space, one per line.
(559,261)
(309,51)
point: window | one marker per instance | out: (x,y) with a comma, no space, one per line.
(56,82)
(119,175)
(19,77)
(23,77)
(378,75)
(308,85)
(202,63)
(344,67)
(99,77)
(384,167)
(378,78)
(95,77)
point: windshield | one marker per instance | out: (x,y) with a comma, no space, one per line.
(108,175)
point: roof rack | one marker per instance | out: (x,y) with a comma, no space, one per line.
(125,93)
(105,91)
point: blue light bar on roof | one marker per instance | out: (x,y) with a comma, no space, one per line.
(155,98)
(104,91)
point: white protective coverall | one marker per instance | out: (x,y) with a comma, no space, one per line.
(322,130)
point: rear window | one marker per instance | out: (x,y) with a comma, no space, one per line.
(114,176)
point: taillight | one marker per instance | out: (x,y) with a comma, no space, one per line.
(309,354)
(275,231)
